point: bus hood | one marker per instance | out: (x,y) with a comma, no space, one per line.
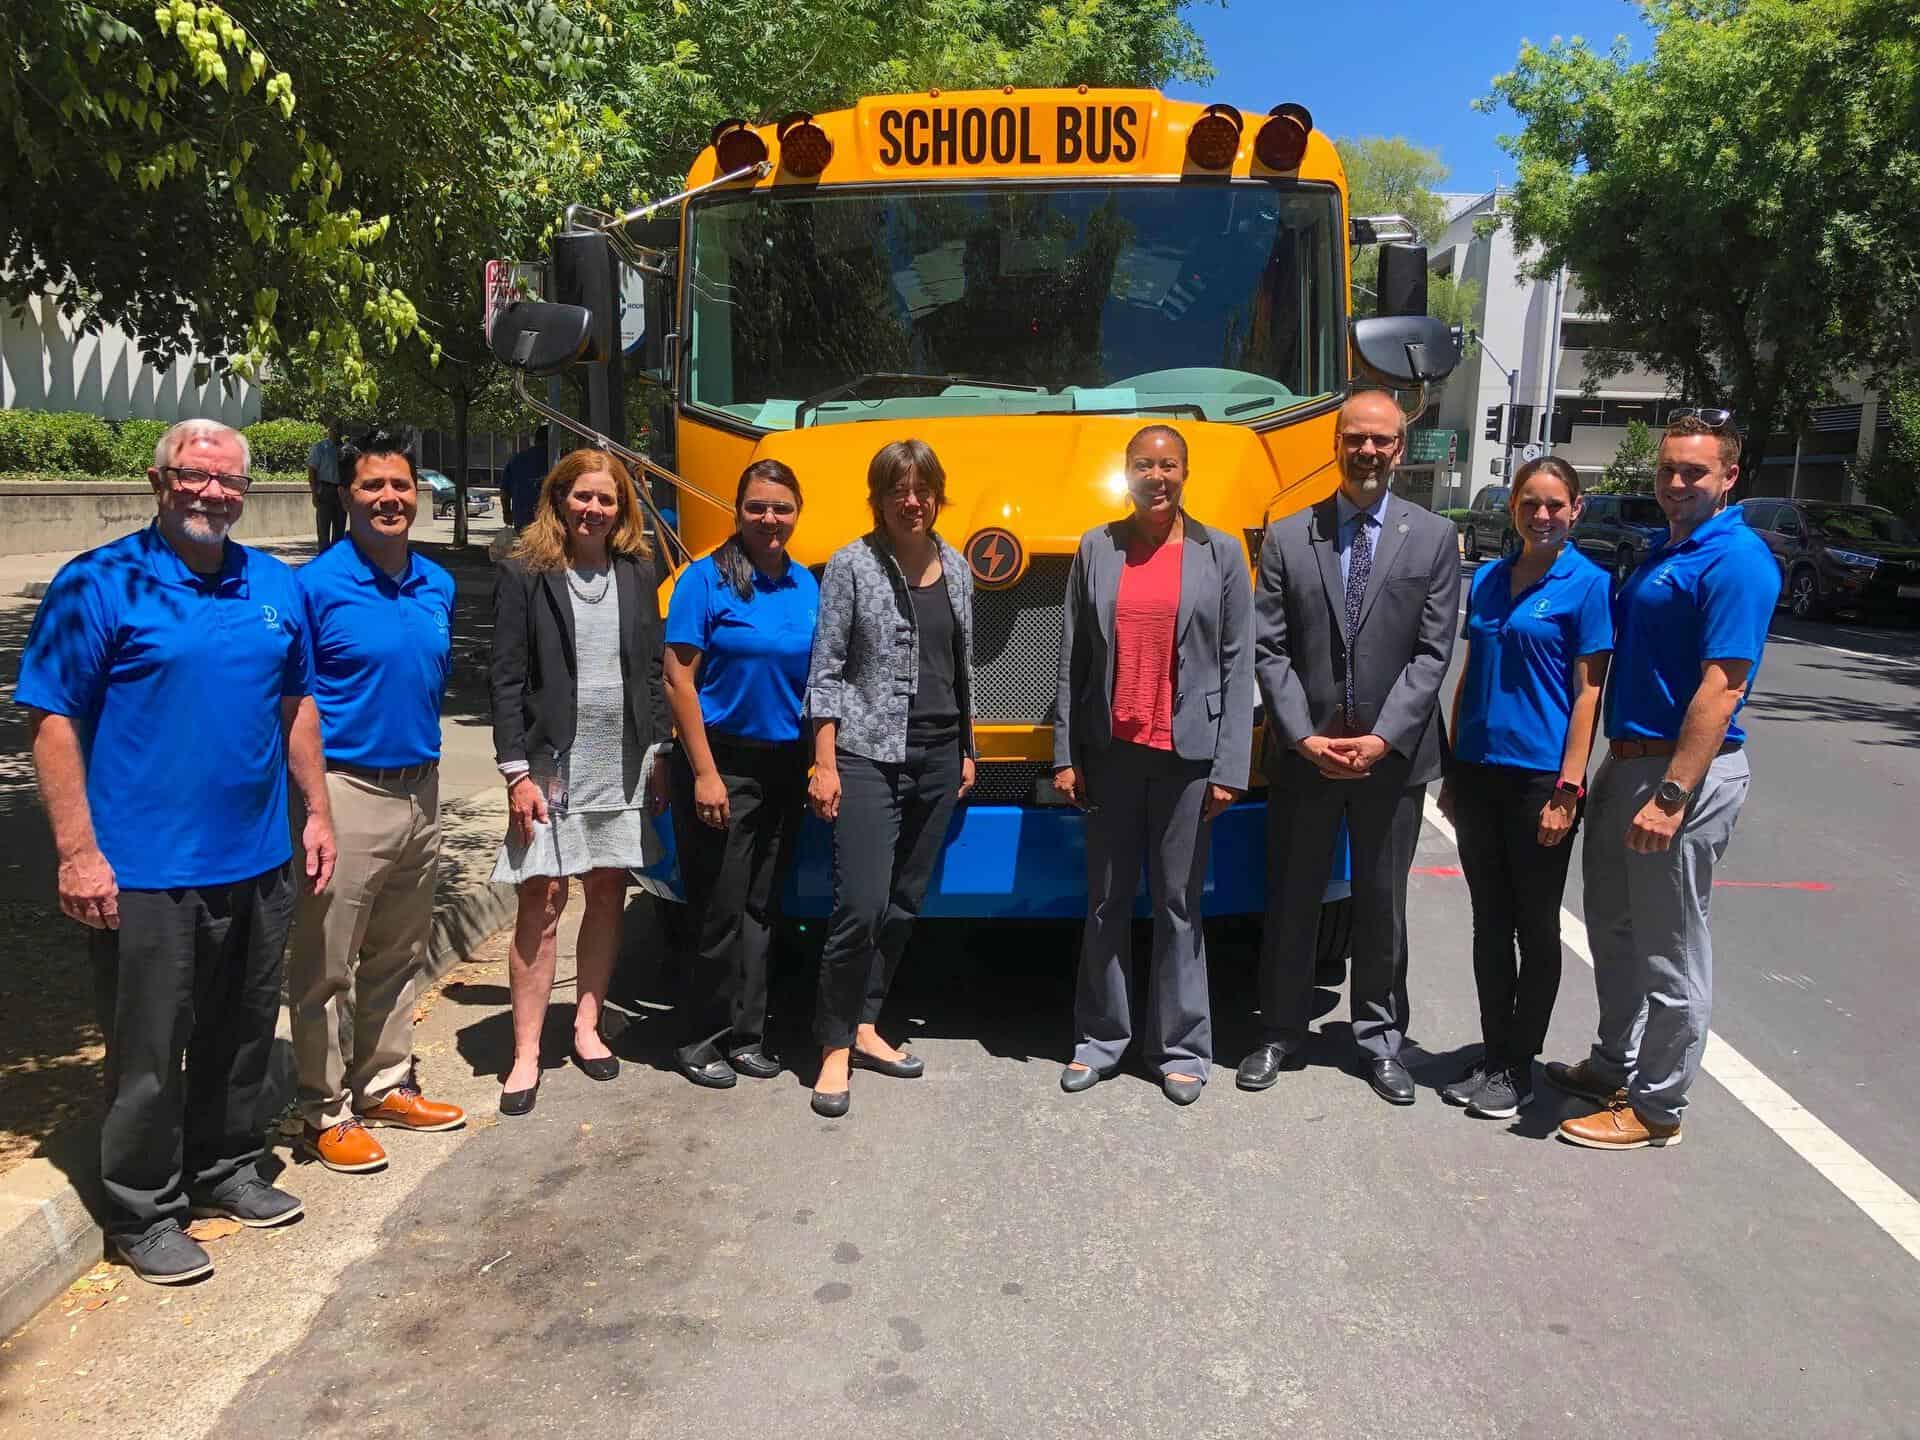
(1048,479)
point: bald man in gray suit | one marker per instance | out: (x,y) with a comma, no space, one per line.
(1354,617)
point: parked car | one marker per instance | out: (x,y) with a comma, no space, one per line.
(1839,557)
(1489,525)
(1616,531)
(479,502)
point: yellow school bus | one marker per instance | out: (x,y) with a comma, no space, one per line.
(1021,279)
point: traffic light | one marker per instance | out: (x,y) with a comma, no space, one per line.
(1520,424)
(1493,430)
(1560,428)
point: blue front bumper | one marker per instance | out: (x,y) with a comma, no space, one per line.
(1010,862)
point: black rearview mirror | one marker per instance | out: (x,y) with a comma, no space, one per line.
(1402,280)
(541,338)
(1406,349)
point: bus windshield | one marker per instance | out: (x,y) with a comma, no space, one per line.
(1222,302)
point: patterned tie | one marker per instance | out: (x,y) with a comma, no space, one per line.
(1359,567)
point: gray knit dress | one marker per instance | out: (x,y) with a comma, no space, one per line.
(602,824)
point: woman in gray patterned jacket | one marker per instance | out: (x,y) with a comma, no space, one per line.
(890,694)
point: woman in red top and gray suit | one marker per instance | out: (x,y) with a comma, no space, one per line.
(1152,737)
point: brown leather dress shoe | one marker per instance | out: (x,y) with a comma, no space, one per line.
(1618,1127)
(405,1108)
(1580,1079)
(346,1147)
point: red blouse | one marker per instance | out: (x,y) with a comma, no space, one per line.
(1144,616)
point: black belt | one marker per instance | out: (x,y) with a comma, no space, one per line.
(401,775)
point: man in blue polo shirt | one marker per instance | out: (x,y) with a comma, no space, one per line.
(166,676)
(1689,629)
(380,618)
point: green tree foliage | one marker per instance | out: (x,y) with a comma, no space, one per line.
(1740,204)
(1631,469)
(227,177)
(1891,476)
(1391,177)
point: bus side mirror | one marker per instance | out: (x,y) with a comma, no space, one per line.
(1406,349)
(541,338)
(1401,282)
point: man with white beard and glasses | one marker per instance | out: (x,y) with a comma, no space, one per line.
(166,680)
(1354,612)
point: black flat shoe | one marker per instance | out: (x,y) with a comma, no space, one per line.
(1181,1092)
(831,1104)
(607,1067)
(713,1075)
(519,1102)
(1390,1081)
(907,1067)
(1074,1081)
(755,1064)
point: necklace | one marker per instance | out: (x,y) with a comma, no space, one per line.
(581,587)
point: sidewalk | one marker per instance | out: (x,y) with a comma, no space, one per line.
(49,1045)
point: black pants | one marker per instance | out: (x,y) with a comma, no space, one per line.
(1515,883)
(891,830)
(193,974)
(732,879)
(329,515)
(1383,827)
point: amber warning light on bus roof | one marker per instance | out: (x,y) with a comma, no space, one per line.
(1282,141)
(805,149)
(1215,137)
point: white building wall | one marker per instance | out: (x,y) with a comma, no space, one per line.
(48,363)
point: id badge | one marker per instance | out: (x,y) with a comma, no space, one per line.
(555,786)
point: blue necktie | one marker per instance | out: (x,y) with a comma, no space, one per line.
(1359,567)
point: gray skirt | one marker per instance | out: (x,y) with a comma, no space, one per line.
(576,841)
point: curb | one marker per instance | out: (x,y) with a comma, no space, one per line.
(48,1236)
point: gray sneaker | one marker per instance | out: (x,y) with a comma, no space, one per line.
(1462,1091)
(251,1202)
(1503,1094)
(165,1255)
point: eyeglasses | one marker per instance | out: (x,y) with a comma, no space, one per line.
(1357,440)
(1711,418)
(785,509)
(902,494)
(195,482)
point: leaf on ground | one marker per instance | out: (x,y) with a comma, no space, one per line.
(95,1303)
(218,1228)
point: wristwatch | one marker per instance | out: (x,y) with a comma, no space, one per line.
(1670,797)
(1572,789)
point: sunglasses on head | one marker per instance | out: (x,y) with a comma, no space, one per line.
(1713,419)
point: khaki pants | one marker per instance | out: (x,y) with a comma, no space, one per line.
(360,947)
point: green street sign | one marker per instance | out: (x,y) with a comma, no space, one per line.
(1432,447)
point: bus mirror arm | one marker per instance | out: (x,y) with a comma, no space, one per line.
(645,469)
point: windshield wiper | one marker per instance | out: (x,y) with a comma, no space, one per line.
(858,382)
(1174,407)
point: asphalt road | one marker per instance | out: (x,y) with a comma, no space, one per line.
(975,1254)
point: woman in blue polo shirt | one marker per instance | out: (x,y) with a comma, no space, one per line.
(739,635)
(1538,635)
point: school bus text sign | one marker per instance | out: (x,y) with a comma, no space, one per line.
(1047,133)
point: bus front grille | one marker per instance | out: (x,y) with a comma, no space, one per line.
(1016,645)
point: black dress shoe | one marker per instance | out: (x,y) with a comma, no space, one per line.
(1390,1081)
(519,1102)
(755,1064)
(713,1074)
(1074,1081)
(607,1067)
(831,1104)
(907,1067)
(1181,1092)
(1263,1065)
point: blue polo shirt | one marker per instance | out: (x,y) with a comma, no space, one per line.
(381,652)
(174,683)
(754,672)
(1711,597)
(1519,686)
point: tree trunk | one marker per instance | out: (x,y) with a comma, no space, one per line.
(460,452)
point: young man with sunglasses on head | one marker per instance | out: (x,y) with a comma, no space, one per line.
(1690,626)
(167,682)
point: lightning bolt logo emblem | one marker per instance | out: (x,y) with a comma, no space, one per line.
(994,557)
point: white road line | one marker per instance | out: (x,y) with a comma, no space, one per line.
(1905,661)
(1850,1172)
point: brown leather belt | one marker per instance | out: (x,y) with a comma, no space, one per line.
(1640,749)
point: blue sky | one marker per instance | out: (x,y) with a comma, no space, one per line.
(1394,67)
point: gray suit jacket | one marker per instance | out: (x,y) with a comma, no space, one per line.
(1213,684)
(1407,623)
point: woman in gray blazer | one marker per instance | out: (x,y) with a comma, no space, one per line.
(1152,738)
(890,694)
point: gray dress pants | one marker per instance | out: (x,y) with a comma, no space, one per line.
(1145,804)
(1647,920)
